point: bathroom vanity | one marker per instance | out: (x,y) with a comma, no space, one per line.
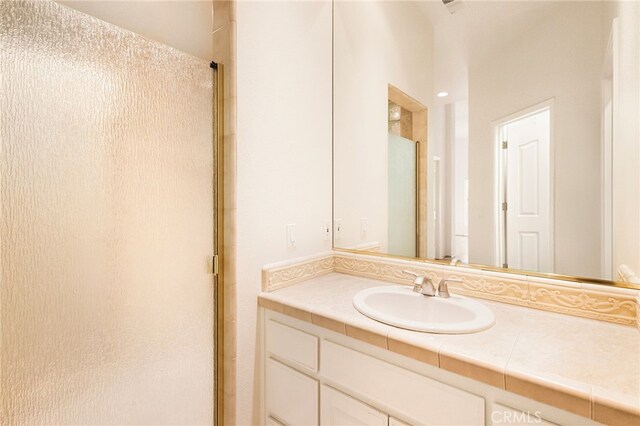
(325,363)
(460,146)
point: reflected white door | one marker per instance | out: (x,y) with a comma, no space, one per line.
(527,192)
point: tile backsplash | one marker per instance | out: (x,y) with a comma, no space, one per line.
(604,303)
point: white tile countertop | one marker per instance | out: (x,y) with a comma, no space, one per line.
(588,367)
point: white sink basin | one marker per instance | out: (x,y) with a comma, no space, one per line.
(400,307)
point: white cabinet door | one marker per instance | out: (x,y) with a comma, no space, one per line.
(339,409)
(292,397)
(419,398)
(292,345)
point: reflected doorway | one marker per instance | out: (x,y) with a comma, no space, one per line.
(525,201)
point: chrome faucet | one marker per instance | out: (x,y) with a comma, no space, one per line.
(422,284)
(443,287)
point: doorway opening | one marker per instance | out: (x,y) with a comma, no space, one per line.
(407,175)
(524,194)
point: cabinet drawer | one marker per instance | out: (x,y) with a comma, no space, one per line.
(292,397)
(424,400)
(292,345)
(338,409)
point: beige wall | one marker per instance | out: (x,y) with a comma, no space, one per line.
(283,157)
(377,43)
(567,68)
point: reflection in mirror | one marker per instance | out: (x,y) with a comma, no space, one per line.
(406,175)
(494,133)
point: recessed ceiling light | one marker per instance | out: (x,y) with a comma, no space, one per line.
(443,94)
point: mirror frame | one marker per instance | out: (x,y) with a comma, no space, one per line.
(472,267)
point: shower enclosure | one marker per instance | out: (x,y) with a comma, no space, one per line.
(109,226)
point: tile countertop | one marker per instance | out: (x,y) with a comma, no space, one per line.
(587,367)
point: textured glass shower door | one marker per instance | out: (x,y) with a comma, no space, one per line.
(107,225)
(402,195)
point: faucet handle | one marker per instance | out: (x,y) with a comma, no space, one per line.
(443,287)
(422,284)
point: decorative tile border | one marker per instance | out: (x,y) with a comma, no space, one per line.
(371,267)
(280,275)
(512,291)
(601,306)
(564,297)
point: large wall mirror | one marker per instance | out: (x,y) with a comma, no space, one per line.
(501,134)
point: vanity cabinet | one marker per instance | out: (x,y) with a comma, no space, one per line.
(339,409)
(414,395)
(292,397)
(313,376)
(293,345)
(294,376)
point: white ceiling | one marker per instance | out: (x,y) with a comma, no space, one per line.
(477,32)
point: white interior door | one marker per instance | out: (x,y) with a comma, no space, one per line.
(527,192)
